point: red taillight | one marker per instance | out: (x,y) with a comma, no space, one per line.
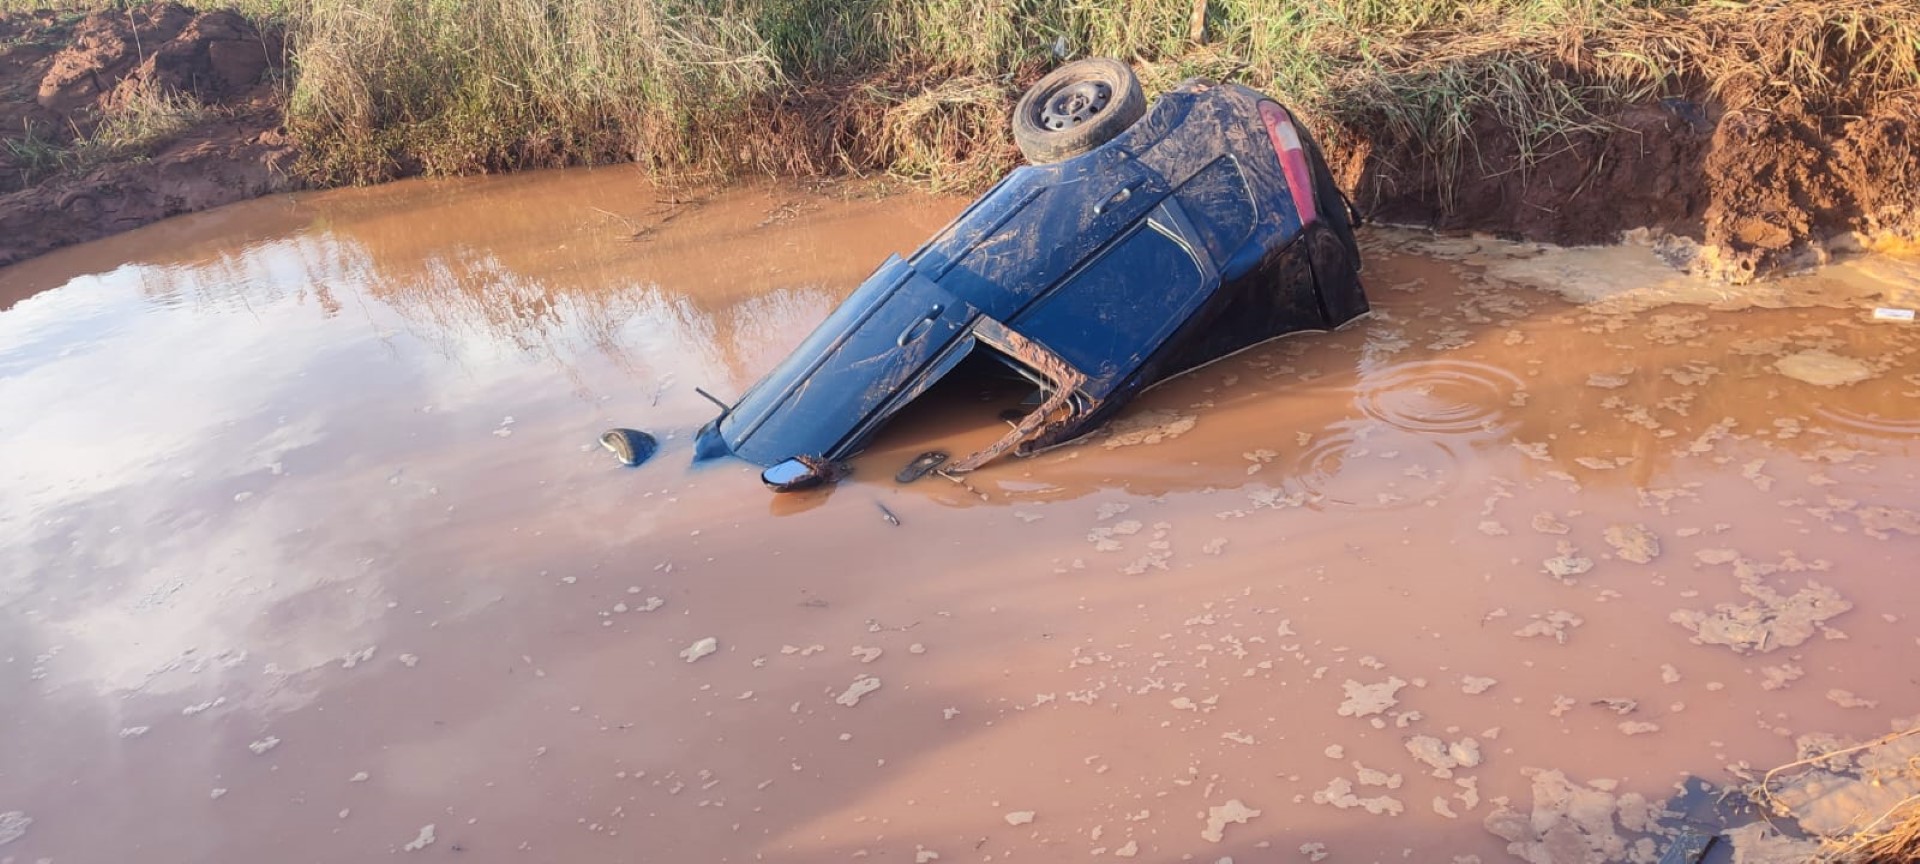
(1293,158)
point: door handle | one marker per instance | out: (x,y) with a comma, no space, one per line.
(919,327)
(1119,196)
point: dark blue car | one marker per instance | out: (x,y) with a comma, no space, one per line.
(1138,245)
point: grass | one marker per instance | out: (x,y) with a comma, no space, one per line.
(921,87)
(138,119)
(387,86)
(37,153)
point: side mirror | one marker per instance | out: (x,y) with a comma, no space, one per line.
(801,472)
(630,446)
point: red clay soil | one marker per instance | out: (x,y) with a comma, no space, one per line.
(57,78)
(1759,188)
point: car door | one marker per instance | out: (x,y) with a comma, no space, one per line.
(1113,314)
(1037,226)
(884,336)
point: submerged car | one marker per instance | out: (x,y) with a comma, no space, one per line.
(1137,244)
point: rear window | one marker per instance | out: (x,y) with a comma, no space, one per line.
(1219,205)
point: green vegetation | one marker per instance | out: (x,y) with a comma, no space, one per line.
(38,154)
(136,122)
(922,87)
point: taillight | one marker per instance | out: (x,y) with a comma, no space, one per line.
(1293,158)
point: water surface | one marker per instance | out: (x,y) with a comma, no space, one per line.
(306,545)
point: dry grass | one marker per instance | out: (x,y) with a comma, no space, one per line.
(388,86)
(139,118)
(1891,837)
(921,87)
(385,86)
(950,135)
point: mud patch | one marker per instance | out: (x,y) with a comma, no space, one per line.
(1147,427)
(58,86)
(1823,369)
(1570,823)
(1839,788)
(1769,622)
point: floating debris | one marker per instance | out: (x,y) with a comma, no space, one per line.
(1567,565)
(1574,824)
(1846,699)
(1823,369)
(1442,757)
(1555,623)
(700,649)
(1148,427)
(1768,623)
(1218,818)
(1366,700)
(1633,543)
(1339,793)
(421,841)
(1019,817)
(860,687)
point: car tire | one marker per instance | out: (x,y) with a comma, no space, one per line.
(1076,108)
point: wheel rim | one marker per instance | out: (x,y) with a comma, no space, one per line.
(1074,104)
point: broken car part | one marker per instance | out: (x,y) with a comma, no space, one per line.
(630,446)
(921,466)
(801,473)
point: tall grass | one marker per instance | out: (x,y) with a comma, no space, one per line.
(460,85)
(921,87)
(391,85)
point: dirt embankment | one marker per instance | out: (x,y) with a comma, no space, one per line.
(127,117)
(1759,190)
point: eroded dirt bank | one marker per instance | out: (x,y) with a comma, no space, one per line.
(1489,576)
(1758,189)
(123,118)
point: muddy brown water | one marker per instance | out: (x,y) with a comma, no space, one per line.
(305,545)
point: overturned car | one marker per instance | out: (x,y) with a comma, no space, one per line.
(1137,245)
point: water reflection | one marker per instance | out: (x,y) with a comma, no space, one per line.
(226,451)
(323,471)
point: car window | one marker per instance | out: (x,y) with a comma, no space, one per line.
(1117,311)
(1217,201)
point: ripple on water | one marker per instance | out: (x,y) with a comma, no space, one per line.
(1439,396)
(1367,467)
(1843,417)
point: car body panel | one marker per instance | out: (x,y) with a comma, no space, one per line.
(1168,247)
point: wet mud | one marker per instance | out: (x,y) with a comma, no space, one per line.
(308,544)
(62,76)
(1762,192)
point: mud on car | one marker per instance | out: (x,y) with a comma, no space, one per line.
(1137,244)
